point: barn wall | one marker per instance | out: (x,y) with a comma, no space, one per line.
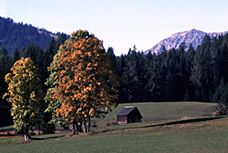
(122,119)
(134,116)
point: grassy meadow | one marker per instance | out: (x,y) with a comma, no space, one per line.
(162,111)
(201,137)
(154,113)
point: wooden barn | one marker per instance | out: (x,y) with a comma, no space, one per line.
(129,114)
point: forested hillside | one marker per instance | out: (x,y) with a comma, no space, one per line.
(18,35)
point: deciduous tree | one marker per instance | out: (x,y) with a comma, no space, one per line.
(82,83)
(23,93)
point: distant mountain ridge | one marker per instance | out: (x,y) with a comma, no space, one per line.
(192,37)
(19,35)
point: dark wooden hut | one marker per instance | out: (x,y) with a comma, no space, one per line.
(129,114)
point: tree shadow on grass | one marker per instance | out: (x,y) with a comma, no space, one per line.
(166,123)
(47,137)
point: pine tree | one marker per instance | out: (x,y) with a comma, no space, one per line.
(190,91)
(133,76)
(201,75)
(5,64)
(156,77)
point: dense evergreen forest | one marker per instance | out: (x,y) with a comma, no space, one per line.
(174,75)
(18,35)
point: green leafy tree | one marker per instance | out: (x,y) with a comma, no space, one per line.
(24,93)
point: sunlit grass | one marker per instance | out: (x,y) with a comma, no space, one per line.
(210,137)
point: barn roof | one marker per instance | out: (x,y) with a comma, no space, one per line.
(126,110)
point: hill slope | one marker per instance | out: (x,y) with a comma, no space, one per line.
(18,35)
(156,112)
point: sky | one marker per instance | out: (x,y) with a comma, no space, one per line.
(121,24)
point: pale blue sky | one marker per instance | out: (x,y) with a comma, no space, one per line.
(121,23)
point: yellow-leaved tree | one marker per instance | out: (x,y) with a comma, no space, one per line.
(24,93)
(82,83)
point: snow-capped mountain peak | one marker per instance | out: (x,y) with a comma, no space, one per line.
(192,37)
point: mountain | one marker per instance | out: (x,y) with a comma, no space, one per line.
(192,37)
(18,35)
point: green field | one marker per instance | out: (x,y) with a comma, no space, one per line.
(201,137)
(158,112)
(206,138)
(167,110)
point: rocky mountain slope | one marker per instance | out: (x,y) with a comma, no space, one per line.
(192,37)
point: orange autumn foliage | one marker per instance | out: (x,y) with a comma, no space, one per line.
(84,83)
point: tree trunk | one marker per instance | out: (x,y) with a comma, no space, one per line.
(89,124)
(39,129)
(80,126)
(73,129)
(27,137)
(84,126)
(77,127)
